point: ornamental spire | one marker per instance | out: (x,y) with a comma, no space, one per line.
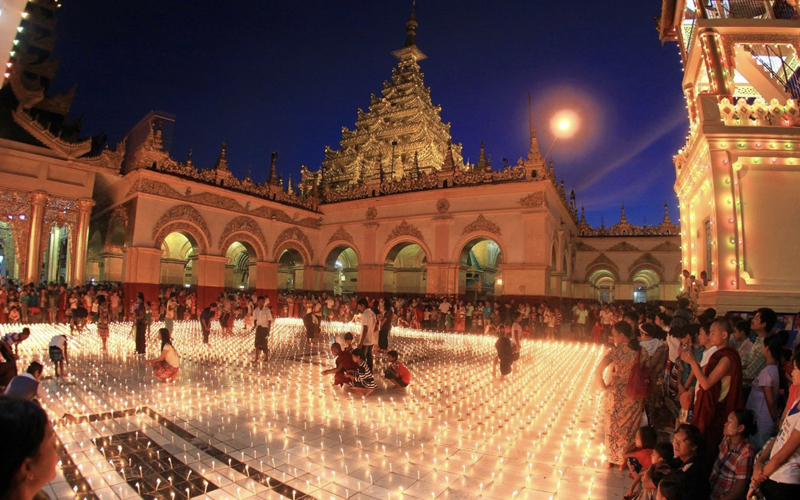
(273,170)
(623,219)
(666,214)
(583,216)
(222,161)
(449,164)
(411,26)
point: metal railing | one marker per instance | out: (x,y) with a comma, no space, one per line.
(785,74)
(747,9)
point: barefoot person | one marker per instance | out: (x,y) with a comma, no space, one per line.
(344,363)
(262,316)
(58,354)
(165,367)
(397,372)
(361,379)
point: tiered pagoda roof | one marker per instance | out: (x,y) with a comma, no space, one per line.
(625,228)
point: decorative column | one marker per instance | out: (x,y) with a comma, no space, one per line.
(210,278)
(267,282)
(82,240)
(36,220)
(441,270)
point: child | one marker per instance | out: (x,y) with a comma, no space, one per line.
(640,452)
(397,371)
(661,457)
(733,467)
(597,332)
(58,354)
(344,363)
(361,379)
(765,390)
(348,343)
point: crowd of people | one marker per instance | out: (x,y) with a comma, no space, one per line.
(723,387)
(696,406)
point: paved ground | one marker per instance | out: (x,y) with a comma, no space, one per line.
(230,429)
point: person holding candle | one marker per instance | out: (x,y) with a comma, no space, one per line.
(165,367)
(27,450)
(344,364)
(361,379)
(622,412)
(397,372)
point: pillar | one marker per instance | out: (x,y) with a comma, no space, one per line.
(313,278)
(78,261)
(210,279)
(141,273)
(370,271)
(267,282)
(36,220)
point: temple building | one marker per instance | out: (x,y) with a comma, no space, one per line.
(737,175)
(394,209)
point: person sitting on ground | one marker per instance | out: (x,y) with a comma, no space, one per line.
(397,372)
(733,467)
(505,354)
(638,456)
(660,468)
(361,379)
(165,367)
(344,363)
(28,452)
(14,339)
(58,354)
(672,487)
(689,446)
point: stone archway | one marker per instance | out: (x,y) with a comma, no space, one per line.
(179,259)
(240,268)
(480,261)
(291,266)
(341,270)
(404,268)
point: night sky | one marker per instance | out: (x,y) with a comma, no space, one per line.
(286,76)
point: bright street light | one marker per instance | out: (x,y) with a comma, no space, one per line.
(563,124)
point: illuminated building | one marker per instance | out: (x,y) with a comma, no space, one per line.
(395,209)
(737,175)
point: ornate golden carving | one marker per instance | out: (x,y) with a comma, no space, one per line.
(443,205)
(603,262)
(13,205)
(293,234)
(341,234)
(405,229)
(482,224)
(245,229)
(534,200)
(158,188)
(182,218)
(623,246)
(33,127)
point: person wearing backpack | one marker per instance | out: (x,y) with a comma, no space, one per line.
(623,408)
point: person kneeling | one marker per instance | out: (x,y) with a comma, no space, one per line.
(344,363)
(165,367)
(397,372)
(361,379)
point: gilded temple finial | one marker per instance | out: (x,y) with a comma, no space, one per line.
(273,170)
(222,161)
(666,214)
(623,219)
(411,26)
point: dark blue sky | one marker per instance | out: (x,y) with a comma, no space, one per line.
(286,76)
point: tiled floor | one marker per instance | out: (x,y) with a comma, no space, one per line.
(231,429)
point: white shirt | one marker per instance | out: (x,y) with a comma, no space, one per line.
(172,306)
(789,472)
(262,317)
(445,307)
(171,356)
(368,319)
(59,341)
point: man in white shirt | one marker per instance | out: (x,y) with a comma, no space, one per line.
(262,320)
(368,330)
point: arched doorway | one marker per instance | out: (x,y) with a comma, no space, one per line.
(479,275)
(8,259)
(56,261)
(240,270)
(179,253)
(603,282)
(645,285)
(290,270)
(404,269)
(341,271)
(95,267)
